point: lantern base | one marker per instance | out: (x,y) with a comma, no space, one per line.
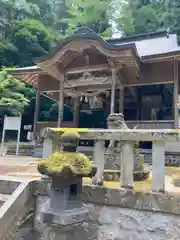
(69,217)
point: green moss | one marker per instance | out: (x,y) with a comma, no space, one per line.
(72,130)
(78,163)
(70,135)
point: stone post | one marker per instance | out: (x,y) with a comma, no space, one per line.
(158,166)
(47,147)
(99,161)
(127,165)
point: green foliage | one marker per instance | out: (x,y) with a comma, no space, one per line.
(76,163)
(125,19)
(142,16)
(12,95)
(93,14)
(31,38)
(146,20)
(171,15)
(8,53)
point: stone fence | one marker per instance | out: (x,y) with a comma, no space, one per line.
(127,139)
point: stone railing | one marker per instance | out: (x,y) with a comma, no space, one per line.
(128,138)
(152,124)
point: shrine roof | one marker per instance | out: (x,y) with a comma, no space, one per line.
(87,34)
(148,45)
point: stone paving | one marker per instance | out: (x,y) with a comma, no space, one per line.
(26,167)
(19,166)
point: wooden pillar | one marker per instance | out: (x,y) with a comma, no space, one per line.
(176,110)
(139,105)
(76,111)
(61,102)
(121,100)
(36,111)
(113,90)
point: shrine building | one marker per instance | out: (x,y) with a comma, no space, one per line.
(137,76)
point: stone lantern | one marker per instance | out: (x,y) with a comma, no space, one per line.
(66,170)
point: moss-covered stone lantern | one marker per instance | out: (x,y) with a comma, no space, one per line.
(66,170)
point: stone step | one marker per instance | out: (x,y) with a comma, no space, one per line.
(24,149)
(28,175)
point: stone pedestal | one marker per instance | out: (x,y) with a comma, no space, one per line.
(62,217)
(116,121)
(64,206)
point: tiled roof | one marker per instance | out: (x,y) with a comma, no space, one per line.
(154,46)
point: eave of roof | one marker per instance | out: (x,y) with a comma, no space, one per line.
(88,35)
(174,53)
(36,68)
(33,69)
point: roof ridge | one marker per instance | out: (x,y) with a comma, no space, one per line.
(142,36)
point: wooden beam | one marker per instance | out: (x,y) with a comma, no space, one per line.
(95,87)
(54,72)
(134,94)
(176,109)
(88,69)
(139,104)
(169,87)
(61,103)
(76,111)
(36,111)
(111,62)
(121,100)
(120,79)
(146,84)
(132,90)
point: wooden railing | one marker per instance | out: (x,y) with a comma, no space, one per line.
(128,138)
(158,124)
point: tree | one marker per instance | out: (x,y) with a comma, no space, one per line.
(32,39)
(93,14)
(171,16)
(141,16)
(14,9)
(125,19)
(8,53)
(12,95)
(146,20)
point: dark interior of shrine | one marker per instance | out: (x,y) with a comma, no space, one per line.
(153,102)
